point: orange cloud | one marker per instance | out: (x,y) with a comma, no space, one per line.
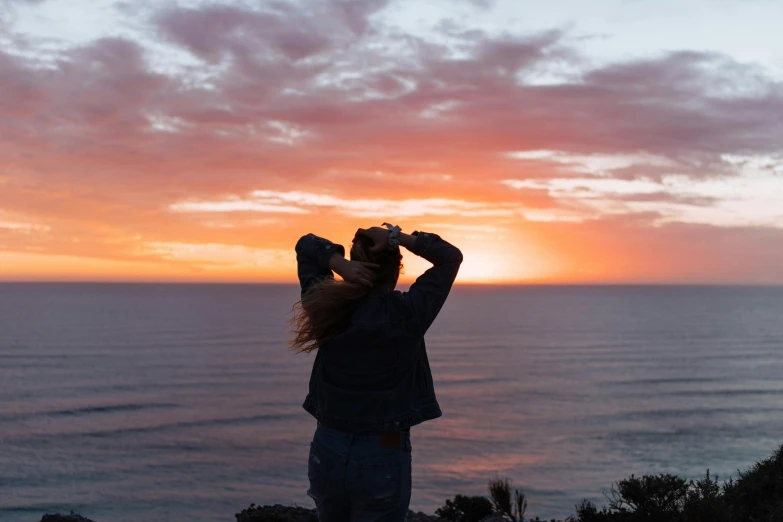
(207,161)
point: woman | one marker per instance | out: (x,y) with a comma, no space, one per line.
(371,379)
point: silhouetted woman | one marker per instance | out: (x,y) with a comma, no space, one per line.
(371,379)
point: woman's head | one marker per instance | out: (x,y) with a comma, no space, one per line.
(390,261)
(329,305)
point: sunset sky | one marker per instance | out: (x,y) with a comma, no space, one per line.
(608,141)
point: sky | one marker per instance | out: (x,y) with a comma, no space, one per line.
(612,141)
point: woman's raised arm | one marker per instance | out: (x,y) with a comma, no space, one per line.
(426,296)
(314,260)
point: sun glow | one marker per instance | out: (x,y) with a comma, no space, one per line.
(171,156)
(481,266)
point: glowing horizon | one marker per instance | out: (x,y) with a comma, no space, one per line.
(557,143)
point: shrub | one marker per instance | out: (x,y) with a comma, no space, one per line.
(500,492)
(704,501)
(587,512)
(757,494)
(465,509)
(656,497)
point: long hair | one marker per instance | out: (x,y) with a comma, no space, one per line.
(328,306)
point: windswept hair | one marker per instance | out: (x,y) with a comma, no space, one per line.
(328,306)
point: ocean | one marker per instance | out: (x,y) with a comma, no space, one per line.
(128,402)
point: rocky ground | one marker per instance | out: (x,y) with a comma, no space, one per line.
(276,513)
(280,513)
(65,518)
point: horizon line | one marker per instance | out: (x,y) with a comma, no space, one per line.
(404,284)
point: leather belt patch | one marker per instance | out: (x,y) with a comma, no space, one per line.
(390,439)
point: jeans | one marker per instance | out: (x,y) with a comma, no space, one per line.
(354,478)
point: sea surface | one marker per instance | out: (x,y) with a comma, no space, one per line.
(180,402)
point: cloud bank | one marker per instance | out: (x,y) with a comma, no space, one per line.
(205,118)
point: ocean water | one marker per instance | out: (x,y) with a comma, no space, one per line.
(180,402)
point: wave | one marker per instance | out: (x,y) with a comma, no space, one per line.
(86,410)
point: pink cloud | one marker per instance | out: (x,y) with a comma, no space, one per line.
(662,106)
(102,130)
(280,30)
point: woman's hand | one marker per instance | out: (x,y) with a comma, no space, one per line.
(357,272)
(379,237)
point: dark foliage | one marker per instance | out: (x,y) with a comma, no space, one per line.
(500,493)
(465,509)
(704,502)
(587,512)
(756,496)
(512,508)
(658,497)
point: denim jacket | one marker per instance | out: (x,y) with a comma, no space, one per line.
(374,375)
